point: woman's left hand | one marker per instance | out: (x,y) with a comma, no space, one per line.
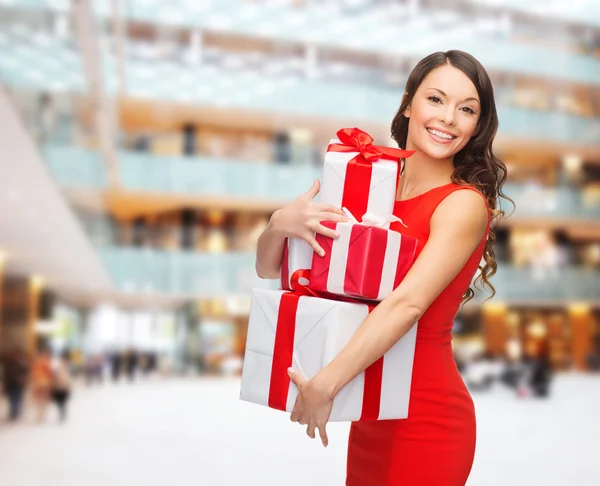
(313,405)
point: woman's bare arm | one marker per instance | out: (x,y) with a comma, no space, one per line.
(456,229)
(269,251)
(299,219)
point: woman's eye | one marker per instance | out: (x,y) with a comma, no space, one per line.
(435,99)
(468,110)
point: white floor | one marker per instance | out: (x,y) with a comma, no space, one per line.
(196,432)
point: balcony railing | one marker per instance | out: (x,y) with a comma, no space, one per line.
(24,66)
(211,274)
(336,26)
(206,176)
(182,273)
(547,284)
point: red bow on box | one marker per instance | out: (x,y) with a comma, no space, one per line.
(360,168)
(355,140)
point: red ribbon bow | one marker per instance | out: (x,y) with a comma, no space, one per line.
(355,140)
(360,168)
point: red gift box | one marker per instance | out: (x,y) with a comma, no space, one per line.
(366,261)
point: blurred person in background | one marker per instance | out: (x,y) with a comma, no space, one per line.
(130,360)
(447,196)
(61,384)
(537,374)
(116,362)
(513,366)
(481,373)
(593,360)
(16,373)
(41,382)
(94,369)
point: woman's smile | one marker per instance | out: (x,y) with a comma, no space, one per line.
(440,136)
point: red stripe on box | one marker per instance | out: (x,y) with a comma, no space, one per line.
(283,351)
(364,267)
(372,388)
(357,184)
(408,246)
(319,269)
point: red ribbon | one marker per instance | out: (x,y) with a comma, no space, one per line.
(284,350)
(359,170)
(285,266)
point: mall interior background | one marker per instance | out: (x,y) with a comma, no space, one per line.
(144,145)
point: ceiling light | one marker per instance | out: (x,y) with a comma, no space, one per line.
(8,62)
(219,21)
(266,88)
(204,91)
(37,281)
(295,19)
(234,62)
(572,162)
(59,4)
(580,308)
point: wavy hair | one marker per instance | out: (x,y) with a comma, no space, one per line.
(475,164)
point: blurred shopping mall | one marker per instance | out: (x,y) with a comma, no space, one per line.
(145,143)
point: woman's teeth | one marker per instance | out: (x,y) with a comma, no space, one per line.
(441,134)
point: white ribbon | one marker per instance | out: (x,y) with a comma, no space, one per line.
(370,219)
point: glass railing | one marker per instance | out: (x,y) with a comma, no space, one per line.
(206,176)
(546,284)
(331,100)
(23,66)
(182,273)
(206,274)
(74,166)
(375,31)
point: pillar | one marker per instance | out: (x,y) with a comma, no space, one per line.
(580,322)
(494,327)
(2,259)
(33,312)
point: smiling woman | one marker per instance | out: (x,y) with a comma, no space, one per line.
(447,197)
(448,114)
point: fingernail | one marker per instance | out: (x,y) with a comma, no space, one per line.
(290,371)
(337,235)
(321,253)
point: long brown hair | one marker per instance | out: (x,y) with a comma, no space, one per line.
(475,164)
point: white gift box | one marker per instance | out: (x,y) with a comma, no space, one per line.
(297,255)
(322,329)
(382,185)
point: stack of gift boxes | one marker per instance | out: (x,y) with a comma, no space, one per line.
(324,300)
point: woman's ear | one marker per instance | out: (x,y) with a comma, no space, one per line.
(407,111)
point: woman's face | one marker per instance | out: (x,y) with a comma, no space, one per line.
(443,113)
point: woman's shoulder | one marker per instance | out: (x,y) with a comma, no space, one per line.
(465,192)
(463,202)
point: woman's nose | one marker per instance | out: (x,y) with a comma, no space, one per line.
(448,116)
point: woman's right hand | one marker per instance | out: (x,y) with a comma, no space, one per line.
(302,218)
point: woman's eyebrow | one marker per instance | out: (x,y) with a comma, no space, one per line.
(444,94)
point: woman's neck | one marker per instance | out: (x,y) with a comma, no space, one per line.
(422,173)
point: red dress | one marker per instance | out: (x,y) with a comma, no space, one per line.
(435,445)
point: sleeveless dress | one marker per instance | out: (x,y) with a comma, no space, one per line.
(435,445)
